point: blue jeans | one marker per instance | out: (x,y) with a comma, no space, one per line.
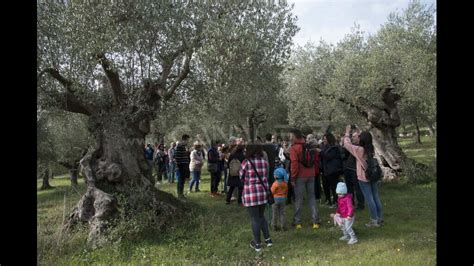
(195,175)
(371,196)
(226,171)
(171,172)
(305,186)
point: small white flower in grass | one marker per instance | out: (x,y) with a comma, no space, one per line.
(282,257)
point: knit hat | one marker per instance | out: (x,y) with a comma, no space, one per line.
(341,188)
(280,174)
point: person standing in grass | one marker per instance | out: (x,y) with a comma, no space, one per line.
(148,152)
(279,190)
(214,167)
(350,171)
(181,157)
(344,216)
(224,155)
(159,159)
(253,174)
(331,160)
(361,152)
(197,160)
(172,163)
(236,158)
(302,178)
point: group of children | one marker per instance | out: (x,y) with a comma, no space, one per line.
(343,217)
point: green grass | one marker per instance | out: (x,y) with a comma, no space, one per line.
(220,234)
(423,153)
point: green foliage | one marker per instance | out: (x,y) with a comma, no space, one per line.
(61,137)
(239,62)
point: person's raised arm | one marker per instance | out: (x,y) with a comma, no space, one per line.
(348,144)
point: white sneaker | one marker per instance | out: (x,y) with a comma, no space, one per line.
(344,238)
(352,241)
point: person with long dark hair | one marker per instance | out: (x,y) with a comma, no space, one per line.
(361,152)
(332,167)
(350,171)
(253,174)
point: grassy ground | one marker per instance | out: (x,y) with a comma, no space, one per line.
(423,153)
(220,234)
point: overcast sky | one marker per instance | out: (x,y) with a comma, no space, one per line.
(332,19)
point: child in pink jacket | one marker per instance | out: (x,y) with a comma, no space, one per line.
(344,215)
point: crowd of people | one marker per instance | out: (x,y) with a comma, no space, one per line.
(277,172)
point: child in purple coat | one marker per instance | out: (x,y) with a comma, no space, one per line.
(344,216)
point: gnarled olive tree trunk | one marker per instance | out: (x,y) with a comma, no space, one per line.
(45,175)
(383,121)
(114,168)
(254,120)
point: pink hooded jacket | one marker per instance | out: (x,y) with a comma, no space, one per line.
(344,206)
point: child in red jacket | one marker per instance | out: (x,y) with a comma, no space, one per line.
(344,215)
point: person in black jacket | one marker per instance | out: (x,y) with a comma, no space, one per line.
(324,180)
(272,153)
(182,160)
(214,167)
(350,174)
(233,181)
(332,166)
(148,152)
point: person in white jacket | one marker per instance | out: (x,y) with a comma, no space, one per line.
(197,161)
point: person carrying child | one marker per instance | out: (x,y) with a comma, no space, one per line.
(279,190)
(344,216)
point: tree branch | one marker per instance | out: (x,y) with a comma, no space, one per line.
(113,77)
(73,103)
(184,73)
(342,100)
(56,75)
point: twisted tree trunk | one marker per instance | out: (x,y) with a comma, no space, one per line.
(73,169)
(45,177)
(254,120)
(418,133)
(383,121)
(74,173)
(116,167)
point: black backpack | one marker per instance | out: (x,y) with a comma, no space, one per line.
(308,156)
(373,172)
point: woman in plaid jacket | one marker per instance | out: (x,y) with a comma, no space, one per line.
(254,196)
